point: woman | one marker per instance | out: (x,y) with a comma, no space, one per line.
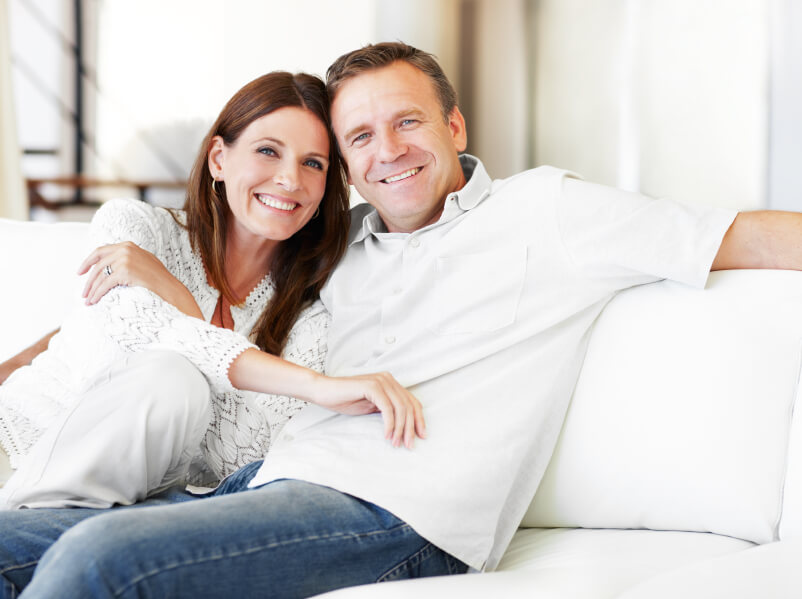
(264,224)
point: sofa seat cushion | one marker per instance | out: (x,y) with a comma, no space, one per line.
(583,563)
(562,563)
(767,571)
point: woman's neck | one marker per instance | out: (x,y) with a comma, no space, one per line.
(247,263)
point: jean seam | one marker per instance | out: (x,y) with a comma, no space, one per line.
(10,587)
(421,554)
(18,567)
(193,562)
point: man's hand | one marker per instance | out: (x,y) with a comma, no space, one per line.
(25,357)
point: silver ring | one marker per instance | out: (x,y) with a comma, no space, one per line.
(107,270)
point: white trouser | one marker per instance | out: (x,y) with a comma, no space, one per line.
(5,467)
(133,431)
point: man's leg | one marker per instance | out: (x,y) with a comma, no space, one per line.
(285,539)
(133,431)
(25,535)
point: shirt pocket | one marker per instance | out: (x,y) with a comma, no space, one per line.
(479,292)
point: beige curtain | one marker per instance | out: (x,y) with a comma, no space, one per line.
(13,200)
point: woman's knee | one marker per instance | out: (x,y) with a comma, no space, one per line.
(171,380)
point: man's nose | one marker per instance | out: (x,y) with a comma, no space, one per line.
(391,146)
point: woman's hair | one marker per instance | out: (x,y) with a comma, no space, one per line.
(376,56)
(301,264)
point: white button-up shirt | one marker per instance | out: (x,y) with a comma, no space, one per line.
(485,315)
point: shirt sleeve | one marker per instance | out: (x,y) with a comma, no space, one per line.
(137,319)
(617,234)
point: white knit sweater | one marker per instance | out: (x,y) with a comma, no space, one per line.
(133,319)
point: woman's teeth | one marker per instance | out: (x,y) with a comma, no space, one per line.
(273,203)
(404,175)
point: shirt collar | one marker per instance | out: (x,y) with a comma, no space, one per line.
(366,221)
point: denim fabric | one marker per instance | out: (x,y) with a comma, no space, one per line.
(285,539)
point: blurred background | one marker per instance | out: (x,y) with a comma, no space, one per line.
(698,100)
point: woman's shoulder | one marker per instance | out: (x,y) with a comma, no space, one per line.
(137,221)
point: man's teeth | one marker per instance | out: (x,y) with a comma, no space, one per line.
(404,175)
(273,203)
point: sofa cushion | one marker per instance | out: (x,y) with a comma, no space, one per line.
(769,571)
(564,563)
(680,419)
(38,262)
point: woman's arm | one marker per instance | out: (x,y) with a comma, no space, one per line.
(130,266)
(254,370)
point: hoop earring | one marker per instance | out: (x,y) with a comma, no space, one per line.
(317,213)
(214,189)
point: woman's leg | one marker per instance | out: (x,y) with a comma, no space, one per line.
(285,539)
(132,432)
(5,467)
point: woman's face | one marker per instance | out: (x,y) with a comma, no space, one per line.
(274,174)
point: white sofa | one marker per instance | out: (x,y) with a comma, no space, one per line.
(679,469)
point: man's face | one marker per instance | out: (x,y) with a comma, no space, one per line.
(401,153)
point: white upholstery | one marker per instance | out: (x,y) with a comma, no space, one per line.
(681,416)
(683,422)
(38,262)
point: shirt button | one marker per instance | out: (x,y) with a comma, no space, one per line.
(389,340)
(414,242)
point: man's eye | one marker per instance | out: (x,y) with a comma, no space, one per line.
(408,122)
(361,137)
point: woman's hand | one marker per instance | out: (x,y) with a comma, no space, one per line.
(128,264)
(401,411)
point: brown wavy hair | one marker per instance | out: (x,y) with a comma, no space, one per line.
(301,264)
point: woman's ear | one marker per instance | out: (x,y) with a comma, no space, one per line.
(215,157)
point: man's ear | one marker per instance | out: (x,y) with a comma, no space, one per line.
(456,124)
(215,157)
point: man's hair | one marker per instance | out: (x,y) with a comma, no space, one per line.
(376,56)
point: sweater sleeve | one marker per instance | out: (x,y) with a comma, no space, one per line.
(137,319)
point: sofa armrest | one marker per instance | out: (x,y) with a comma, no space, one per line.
(770,571)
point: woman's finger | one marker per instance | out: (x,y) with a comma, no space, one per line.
(101,280)
(107,284)
(91,259)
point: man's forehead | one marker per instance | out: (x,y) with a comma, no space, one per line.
(395,89)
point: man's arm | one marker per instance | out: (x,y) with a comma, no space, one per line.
(25,357)
(762,239)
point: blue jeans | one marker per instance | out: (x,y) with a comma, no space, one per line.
(285,539)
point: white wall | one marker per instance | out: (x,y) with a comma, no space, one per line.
(669,97)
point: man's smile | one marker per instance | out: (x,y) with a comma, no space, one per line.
(405,175)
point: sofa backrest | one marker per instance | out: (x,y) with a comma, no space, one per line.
(38,263)
(682,417)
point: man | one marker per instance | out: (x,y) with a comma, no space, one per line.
(477,295)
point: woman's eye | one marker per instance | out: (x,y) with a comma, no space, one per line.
(267,151)
(314,164)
